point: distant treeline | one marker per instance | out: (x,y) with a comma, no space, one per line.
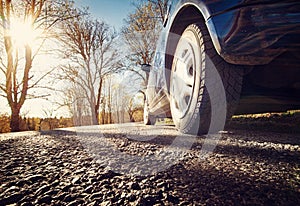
(35,124)
(42,124)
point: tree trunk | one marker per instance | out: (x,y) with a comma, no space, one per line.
(97,106)
(94,116)
(15,119)
(131,119)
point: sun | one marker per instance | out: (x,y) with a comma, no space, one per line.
(22,32)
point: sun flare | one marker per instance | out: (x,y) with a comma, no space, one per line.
(22,32)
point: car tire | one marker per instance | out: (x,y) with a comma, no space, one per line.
(148,118)
(196,69)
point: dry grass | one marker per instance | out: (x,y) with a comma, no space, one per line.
(286,122)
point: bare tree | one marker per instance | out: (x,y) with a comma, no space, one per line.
(125,98)
(161,8)
(119,102)
(106,101)
(76,103)
(130,109)
(116,103)
(143,27)
(89,48)
(141,34)
(50,119)
(109,99)
(24,25)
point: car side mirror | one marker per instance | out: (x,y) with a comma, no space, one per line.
(146,67)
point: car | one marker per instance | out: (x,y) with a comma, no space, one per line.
(217,58)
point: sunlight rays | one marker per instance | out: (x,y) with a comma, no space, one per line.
(23,33)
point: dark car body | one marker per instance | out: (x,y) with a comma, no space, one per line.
(261,35)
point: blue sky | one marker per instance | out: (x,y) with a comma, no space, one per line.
(111,11)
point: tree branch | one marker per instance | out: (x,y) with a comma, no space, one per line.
(41,78)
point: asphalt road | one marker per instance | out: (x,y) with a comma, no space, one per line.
(133,164)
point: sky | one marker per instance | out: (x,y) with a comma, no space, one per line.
(111,11)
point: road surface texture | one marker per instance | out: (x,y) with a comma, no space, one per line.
(132,164)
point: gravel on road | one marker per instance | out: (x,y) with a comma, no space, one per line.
(55,168)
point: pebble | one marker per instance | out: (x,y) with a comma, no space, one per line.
(45,199)
(134,186)
(76,180)
(42,190)
(35,178)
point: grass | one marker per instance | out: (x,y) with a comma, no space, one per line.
(285,122)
